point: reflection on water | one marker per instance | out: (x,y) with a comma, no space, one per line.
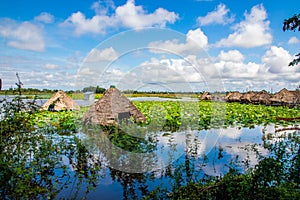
(170,159)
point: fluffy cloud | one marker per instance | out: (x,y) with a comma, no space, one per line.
(218,16)
(103,7)
(232,55)
(195,40)
(22,36)
(272,73)
(49,66)
(235,68)
(293,40)
(41,79)
(238,70)
(198,37)
(108,54)
(45,18)
(252,32)
(96,24)
(128,15)
(276,59)
(132,16)
(156,74)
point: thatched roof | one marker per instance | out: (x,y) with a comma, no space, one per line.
(205,96)
(284,97)
(246,98)
(262,97)
(233,97)
(110,108)
(60,101)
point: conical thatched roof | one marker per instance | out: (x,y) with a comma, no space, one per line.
(233,97)
(284,97)
(110,108)
(205,96)
(60,101)
(246,98)
(262,97)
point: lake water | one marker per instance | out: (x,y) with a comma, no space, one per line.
(176,159)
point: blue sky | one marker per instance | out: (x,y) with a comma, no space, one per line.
(182,45)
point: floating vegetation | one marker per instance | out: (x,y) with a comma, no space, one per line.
(205,115)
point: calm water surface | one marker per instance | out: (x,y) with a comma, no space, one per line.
(176,159)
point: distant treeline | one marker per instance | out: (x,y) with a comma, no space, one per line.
(31,91)
(95,89)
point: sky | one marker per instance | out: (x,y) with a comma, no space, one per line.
(182,45)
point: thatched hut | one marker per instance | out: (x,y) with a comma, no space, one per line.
(205,96)
(112,108)
(233,97)
(262,97)
(246,98)
(285,97)
(60,101)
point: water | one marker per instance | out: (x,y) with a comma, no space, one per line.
(177,158)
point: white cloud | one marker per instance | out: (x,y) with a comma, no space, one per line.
(272,73)
(232,67)
(45,18)
(85,71)
(173,70)
(293,40)
(128,15)
(232,55)
(218,16)
(108,54)
(96,24)
(156,74)
(252,32)
(133,16)
(195,40)
(237,70)
(102,7)
(49,66)
(25,36)
(41,79)
(277,59)
(198,37)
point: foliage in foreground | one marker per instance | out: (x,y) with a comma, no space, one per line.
(35,161)
(292,24)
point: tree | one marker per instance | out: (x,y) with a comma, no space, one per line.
(97,90)
(292,24)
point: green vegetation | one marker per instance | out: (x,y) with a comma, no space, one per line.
(292,24)
(38,149)
(172,116)
(35,161)
(96,90)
